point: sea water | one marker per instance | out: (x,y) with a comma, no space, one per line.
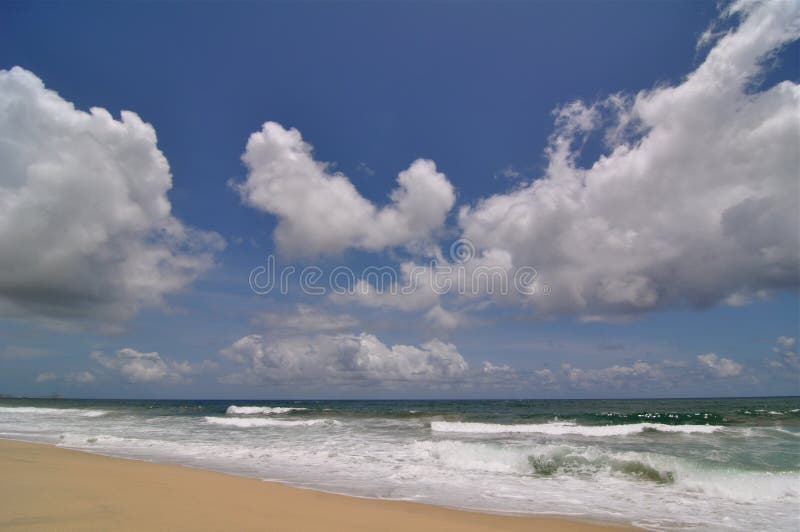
(706,464)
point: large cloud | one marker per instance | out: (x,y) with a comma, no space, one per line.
(695,202)
(344,359)
(320,212)
(85,224)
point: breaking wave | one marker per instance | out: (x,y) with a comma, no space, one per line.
(260,410)
(52,411)
(567,428)
(589,462)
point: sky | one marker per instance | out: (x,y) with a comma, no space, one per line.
(452,200)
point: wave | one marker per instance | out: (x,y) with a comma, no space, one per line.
(566,428)
(260,410)
(590,462)
(35,410)
(264,422)
(781,430)
(547,461)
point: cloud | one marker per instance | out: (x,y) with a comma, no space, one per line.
(137,367)
(614,376)
(440,318)
(492,369)
(720,367)
(343,359)
(81,377)
(364,168)
(786,342)
(694,203)
(46,377)
(545,375)
(412,290)
(307,319)
(320,212)
(787,354)
(660,375)
(509,172)
(422,286)
(86,229)
(78,377)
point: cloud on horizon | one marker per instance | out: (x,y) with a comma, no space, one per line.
(720,367)
(342,359)
(138,367)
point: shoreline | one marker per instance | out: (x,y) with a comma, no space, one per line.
(48,487)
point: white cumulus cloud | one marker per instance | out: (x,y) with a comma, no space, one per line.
(344,358)
(86,229)
(695,202)
(720,367)
(138,367)
(320,212)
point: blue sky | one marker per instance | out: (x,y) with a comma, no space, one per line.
(651,271)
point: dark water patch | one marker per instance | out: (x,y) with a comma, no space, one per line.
(643,471)
(573,465)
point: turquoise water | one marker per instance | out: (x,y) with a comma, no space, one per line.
(709,464)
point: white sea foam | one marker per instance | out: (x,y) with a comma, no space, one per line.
(264,422)
(52,411)
(468,456)
(260,410)
(782,430)
(566,428)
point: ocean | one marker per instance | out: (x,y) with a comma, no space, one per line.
(704,464)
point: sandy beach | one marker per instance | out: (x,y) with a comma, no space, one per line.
(49,488)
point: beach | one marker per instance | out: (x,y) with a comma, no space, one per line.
(49,488)
(656,464)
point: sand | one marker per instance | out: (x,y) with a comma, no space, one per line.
(43,487)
